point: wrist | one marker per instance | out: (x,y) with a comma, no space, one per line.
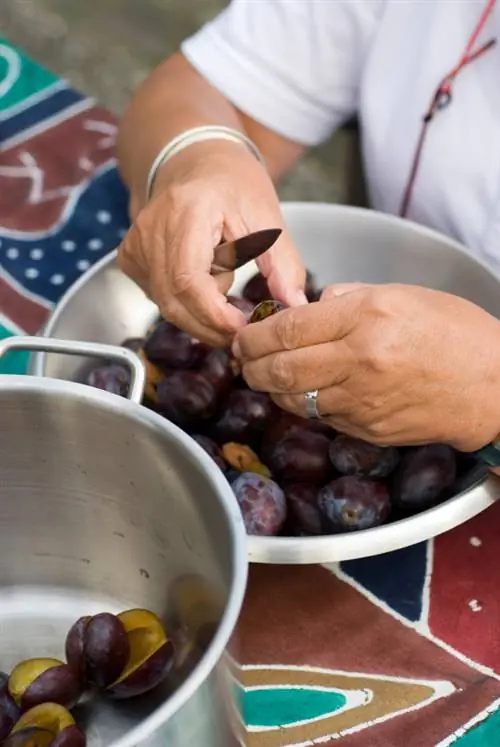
(194,136)
(187,160)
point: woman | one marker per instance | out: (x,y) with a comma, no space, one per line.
(268,79)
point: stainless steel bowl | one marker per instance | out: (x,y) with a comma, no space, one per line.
(338,244)
(106,506)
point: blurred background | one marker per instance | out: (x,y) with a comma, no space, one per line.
(106,47)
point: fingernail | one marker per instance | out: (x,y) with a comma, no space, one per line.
(236,350)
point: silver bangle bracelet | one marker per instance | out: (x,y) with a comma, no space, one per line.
(193,136)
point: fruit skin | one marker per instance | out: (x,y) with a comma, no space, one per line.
(98,648)
(217,368)
(422,476)
(304,515)
(301,458)
(266,309)
(257,289)
(36,681)
(352,503)
(9,712)
(170,346)
(209,445)
(71,736)
(352,456)
(112,378)
(262,503)
(151,658)
(46,725)
(231,475)
(244,418)
(286,424)
(243,304)
(187,399)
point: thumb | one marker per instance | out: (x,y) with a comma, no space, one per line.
(284,271)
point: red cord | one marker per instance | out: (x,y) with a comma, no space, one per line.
(443,97)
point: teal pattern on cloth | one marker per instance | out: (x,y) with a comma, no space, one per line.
(283,706)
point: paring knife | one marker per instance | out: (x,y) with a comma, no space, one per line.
(231,255)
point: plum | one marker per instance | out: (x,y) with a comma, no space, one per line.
(303,510)
(351,503)
(212,450)
(262,503)
(266,309)
(98,648)
(46,725)
(151,655)
(36,681)
(422,476)
(169,346)
(352,456)
(111,377)
(187,398)
(301,457)
(9,711)
(217,368)
(243,304)
(257,289)
(286,424)
(244,417)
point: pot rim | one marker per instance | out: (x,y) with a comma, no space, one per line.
(57,387)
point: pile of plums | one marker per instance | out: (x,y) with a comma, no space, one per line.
(121,656)
(291,476)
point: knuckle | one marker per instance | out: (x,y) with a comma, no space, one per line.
(281,374)
(378,432)
(286,329)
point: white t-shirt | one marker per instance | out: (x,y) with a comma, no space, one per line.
(303,67)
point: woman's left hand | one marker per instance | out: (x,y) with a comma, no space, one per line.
(394,364)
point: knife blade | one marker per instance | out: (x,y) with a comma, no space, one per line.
(231,255)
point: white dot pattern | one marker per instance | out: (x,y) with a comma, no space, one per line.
(95,244)
(57,279)
(36,253)
(12,253)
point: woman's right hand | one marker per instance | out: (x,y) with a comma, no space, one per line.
(209,192)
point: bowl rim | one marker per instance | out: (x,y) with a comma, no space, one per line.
(69,389)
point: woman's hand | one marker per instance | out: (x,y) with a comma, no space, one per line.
(208,192)
(394,364)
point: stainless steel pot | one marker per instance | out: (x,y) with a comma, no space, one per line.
(106,506)
(338,244)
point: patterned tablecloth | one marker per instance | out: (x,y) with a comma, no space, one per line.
(398,650)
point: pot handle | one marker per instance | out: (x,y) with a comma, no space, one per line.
(87,350)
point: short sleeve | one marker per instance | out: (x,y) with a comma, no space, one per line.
(292,65)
